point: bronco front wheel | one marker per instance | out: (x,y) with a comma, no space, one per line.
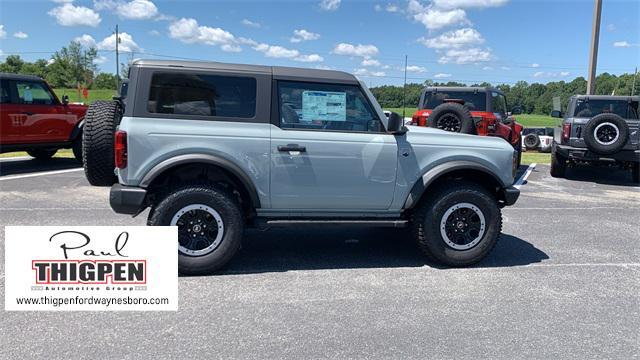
(210,226)
(458,225)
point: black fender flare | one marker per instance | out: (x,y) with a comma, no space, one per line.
(77,130)
(423,182)
(228,165)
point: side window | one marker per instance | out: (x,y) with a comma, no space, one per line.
(202,95)
(325,107)
(498,103)
(33,93)
(5,95)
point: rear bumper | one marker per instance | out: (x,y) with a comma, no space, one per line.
(510,195)
(584,154)
(127,199)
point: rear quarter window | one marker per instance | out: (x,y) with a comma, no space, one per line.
(475,101)
(202,95)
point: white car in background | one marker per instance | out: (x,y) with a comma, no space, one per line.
(539,139)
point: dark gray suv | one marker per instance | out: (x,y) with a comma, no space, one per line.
(598,130)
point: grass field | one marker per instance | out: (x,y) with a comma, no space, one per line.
(93,95)
(62,153)
(530,157)
(528,120)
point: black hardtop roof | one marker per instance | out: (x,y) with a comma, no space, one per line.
(461,89)
(9,76)
(608,97)
(281,72)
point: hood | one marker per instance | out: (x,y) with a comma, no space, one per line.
(420,135)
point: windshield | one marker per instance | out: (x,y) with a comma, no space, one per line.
(475,101)
(590,108)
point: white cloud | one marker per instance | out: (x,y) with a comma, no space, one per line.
(230,48)
(550,74)
(370,62)
(127,44)
(86,40)
(323,67)
(466,56)
(301,35)
(70,15)
(249,23)
(3,33)
(539,74)
(364,51)
(622,44)
(309,58)
(535,65)
(188,31)
(131,10)
(100,60)
(434,18)
(275,51)
(611,27)
(416,69)
(62,1)
(368,73)
(563,73)
(454,39)
(154,33)
(441,75)
(20,35)
(392,8)
(487,68)
(330,5)
(465,4)
(506,68)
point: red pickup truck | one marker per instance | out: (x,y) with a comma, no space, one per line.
(33,119)
(469,110)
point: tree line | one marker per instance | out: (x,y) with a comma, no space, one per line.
(532,98)
(70,67)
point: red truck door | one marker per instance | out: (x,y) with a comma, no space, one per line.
(10,116)
(45,118)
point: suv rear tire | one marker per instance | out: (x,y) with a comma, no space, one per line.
(42,154)
(558,167)
(97,142)
(458,225)
(606,134)
(452,117)
(209,212)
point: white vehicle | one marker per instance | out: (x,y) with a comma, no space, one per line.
(540,139)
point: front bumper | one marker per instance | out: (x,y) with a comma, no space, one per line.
(127,199)
(583,154)
(510,195)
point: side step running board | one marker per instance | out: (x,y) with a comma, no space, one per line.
(380,223)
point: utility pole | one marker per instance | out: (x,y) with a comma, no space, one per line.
(404,87)
(593,58)
(633,87)
(117,61)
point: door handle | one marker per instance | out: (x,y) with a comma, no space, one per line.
(291,147)
(27,113)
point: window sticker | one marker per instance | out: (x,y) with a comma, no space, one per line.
(324,106)
(27,96)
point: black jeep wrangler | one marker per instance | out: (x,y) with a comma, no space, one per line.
(596,130)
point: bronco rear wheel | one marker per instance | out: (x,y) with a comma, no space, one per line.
(558,165)
(210,226)
(452,117)
(606,134)
(97,142)
(458,225)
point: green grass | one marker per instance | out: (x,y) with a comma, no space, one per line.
(62,153)
(527,120)
(531,157)
(93,95)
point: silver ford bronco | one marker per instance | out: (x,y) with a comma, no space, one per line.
(215,148)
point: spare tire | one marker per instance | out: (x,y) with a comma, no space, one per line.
(97,142)
(452,117)
(606,134)
(531,141)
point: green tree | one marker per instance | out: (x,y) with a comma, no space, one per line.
(72,65)
(12,64)
(104,81)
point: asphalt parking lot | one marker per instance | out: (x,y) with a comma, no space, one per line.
(564,281)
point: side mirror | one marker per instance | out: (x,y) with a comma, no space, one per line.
(395,124)
(65,100)
(556,113)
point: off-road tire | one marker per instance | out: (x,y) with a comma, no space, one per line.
(428,215)
(558,168)
(453,111)
(97,142)
(532,141)
(590,136)
(222,201)
(42,154)
(76,147)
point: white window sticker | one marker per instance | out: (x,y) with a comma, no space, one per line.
(91,268)
(27,96)
(324,106)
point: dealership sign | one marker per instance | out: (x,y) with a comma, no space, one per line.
(91,268)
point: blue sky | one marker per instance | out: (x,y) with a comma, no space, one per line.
(499,41)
